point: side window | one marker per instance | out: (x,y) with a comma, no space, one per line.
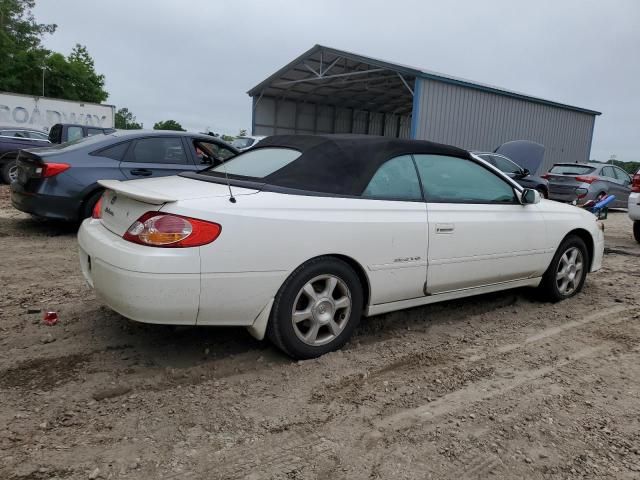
(74,133)
(458,180)
(505,165)
(608,172)
(94,131)
(396,179)
(211,153)
(157,150)
(622,176)
(115,152)
(38,136)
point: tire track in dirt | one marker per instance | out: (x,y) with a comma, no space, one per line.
(293,449)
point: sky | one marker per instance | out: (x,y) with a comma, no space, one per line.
(194,60)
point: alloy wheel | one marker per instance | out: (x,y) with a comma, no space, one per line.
(13,173)
(321,310)
(569,273)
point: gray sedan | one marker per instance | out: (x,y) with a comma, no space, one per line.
(60,182)
(580,182)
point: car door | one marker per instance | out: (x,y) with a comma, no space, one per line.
(607,175)
(479,232)
(156,157)
(394,198)
(624,182)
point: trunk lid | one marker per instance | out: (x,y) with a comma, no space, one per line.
(124,202)
(29,169)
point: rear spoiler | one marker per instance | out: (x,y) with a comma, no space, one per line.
(136,192)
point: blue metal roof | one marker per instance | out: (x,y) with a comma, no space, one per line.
(412,71)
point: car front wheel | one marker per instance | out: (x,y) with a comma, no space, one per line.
(317,308)
(636,230)
(568,270)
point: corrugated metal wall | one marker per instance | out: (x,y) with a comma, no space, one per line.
(275,116)
(479,120)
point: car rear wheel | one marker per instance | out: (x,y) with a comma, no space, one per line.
(543,192)
(636,230)
(566,275)
(9,171)
(317,308)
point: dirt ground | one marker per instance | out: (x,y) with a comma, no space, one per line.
(498,386)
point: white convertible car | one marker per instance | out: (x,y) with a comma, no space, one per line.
(299,237)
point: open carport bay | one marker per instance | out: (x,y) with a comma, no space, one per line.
(500,384)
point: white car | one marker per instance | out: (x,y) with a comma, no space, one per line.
(246,142)
(301,236)
(634,205)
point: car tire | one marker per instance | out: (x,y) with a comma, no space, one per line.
(317,308)
(567,272)
(543,192)
(7,169)
(87,206)
(636,230)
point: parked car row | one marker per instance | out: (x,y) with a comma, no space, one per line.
(61,181)
(13,139)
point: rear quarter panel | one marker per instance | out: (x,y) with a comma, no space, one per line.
(267,235)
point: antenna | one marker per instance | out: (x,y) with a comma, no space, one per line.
(232,199)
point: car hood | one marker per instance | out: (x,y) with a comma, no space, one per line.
(525,153)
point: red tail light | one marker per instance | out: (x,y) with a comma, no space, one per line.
(97,209)
(586,178)
(53,169)
(635,183)
(157,229)
(546,176)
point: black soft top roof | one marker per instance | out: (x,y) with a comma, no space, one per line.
(342,164)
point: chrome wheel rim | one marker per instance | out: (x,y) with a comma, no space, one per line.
(569,273)
(321,310)
(13,173)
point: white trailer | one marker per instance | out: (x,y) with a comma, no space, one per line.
(43,112)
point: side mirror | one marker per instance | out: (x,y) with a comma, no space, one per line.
(530,196)
(525,172)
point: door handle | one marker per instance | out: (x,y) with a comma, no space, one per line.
(141,172)
(444,228)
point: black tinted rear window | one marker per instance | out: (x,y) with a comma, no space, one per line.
(571,169)
(116,152)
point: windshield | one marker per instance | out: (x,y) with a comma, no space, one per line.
(242,142)
(258,163)
(571,169)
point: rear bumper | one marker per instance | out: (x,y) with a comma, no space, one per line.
(46,206)
(634,206)
(598,251)
(164,285)
(158,293)
(567,197)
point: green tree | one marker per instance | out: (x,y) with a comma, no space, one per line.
(242,133)
(20,47)
(125,120)
(25,63)
(228,138)
(168,125)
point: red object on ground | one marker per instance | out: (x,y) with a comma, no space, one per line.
(50,318)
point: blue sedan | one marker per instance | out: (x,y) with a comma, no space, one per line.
(60,182)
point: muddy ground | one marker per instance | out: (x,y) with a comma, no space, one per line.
(499,386)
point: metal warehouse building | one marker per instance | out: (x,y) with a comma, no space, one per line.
(326,90)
